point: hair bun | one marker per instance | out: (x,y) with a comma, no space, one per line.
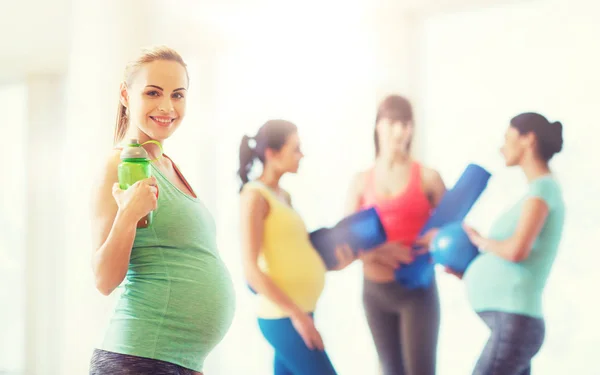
(556,136)
(549,134)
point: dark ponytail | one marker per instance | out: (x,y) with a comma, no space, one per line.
(247,156)
(549,136)
(273,134)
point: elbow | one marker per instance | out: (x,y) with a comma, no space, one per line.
(105,291)
(252,274)
(107,283)
(513,249)
(518,254)
(105,280)
(104,287)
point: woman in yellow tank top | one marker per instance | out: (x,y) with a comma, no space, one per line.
(280,263)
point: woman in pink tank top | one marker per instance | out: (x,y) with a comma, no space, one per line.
(404,322)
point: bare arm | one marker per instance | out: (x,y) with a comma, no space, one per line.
(355,192)
(113,231)
(254,210)
(517,247)
(434,186)
(435,189)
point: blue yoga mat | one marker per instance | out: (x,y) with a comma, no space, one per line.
(454,206)
(361,231)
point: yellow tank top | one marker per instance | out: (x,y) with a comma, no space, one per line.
(288,257)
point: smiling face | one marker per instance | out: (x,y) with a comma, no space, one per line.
(156,99)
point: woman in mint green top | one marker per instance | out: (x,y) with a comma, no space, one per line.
(177,298)
(506,282)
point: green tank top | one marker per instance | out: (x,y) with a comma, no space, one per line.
(178,299)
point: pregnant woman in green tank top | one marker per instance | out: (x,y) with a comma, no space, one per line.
(177,301)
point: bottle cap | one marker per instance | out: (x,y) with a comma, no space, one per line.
(134,150)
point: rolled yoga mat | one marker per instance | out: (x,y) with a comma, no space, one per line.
(454,206)
(360,231)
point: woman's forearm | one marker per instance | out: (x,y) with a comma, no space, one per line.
(111,261)
(507,249)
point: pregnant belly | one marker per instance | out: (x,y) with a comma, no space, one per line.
(491,280)
(186,308)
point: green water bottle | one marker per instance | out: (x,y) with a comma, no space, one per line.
(135,166)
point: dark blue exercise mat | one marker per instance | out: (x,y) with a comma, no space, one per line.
(360,231)
(454,206)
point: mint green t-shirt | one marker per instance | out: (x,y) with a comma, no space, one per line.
(178,299)
(496,284)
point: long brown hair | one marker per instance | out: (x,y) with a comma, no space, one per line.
(148,55)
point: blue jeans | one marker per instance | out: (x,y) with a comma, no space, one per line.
(514,340)
(292,356)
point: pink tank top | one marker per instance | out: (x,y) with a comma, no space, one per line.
(404,215)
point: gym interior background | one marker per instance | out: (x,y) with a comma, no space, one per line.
(467,65)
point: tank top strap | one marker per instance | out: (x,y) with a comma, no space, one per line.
(255,185)
(414,186)
(183,179)
(368,193)
(415,181)
(265,191)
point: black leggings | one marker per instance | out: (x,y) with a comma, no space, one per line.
(404,324)
(109,363)
(514,340)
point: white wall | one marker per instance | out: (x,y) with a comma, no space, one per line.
(34,38)
(45,239)
(13,215)
(480,69)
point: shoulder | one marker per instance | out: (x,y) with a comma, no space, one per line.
(430,176)
(546,189)
(106,175)
(109,166)
(252,193)
(359,181)
(546,183)
(253,201)
(433,185)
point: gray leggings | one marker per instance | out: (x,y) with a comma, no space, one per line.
(514,340)
(109,363)
(404,324)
